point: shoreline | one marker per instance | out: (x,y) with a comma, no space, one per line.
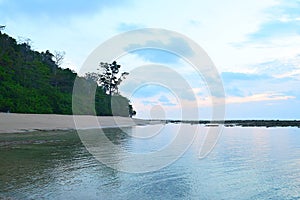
(17,123)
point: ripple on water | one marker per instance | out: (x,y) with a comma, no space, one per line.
(247,163)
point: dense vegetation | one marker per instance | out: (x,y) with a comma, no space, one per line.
(33,82)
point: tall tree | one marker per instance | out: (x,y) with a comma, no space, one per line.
(33,82)
(59,57)
(108,77)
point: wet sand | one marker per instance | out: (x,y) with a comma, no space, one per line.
(12,122)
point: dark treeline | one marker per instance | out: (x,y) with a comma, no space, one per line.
(33,82)
(243,123)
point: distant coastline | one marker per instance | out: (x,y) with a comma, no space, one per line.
(242,123)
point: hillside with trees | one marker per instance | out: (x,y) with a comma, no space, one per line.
(34,82)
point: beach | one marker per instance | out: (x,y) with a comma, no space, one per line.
(13,122)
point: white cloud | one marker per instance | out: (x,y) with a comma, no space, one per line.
(202,103)
(294,73)
(218,27)
(258,98)
(222,29)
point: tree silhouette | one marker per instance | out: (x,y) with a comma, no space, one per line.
(58,57)
(131,111)
(107,77)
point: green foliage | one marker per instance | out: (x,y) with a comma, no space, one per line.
(107,82)
(107,77)
(32,82)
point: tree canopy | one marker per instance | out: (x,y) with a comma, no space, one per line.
(107,77)
(34,82)
(108,80)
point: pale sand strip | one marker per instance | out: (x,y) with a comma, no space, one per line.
(11,122)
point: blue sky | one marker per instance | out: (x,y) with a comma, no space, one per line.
(255,46)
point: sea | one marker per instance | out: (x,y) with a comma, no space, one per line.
(151,162)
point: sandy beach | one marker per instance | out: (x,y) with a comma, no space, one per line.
(12,122)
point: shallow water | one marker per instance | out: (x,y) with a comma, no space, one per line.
(247,163)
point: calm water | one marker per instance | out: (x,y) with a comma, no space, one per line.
(247,163)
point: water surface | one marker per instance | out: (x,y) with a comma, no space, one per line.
(247,163)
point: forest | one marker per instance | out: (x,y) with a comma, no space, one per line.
(34,82)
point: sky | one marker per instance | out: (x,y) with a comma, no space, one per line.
(254,45)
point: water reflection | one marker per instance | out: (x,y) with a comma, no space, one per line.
(247,163)
(137,154)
